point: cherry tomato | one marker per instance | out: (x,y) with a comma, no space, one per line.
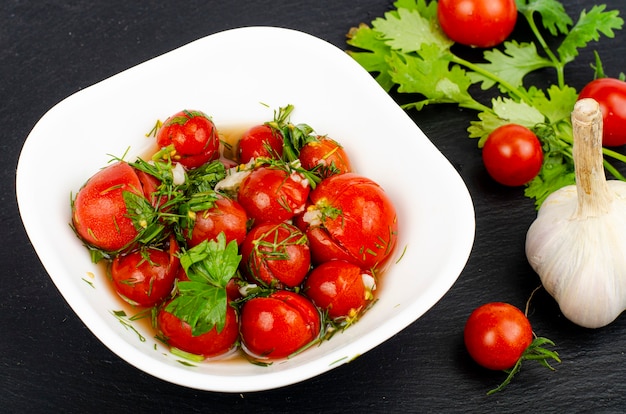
(99,212)
(325,156)
(479,23)
(272,194)
(278,325)
(209,344)
(225,216)
(193,137)
(260,141)
(276,254)
(340,288)
(512,155)
(496,335)
(145,278)
(351,218)
(611,96)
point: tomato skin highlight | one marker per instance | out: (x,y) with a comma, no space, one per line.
(276,326)
(145,281)
(276,254)
(610,94)
(496,335)
(478,23)
(272,195)
(260,141)
(209,344)
(338,288)
(225,216)
(512,155)
(193,136)
(356,217)
(99,212)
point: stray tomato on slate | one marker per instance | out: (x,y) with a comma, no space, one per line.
(512,155)
(479,23)
(610,94)
(498,336)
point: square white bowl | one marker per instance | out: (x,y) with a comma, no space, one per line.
(228,75)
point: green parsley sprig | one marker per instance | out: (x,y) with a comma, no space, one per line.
(410,54)
(202,300)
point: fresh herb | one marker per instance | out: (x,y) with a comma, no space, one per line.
(410,54)
(202,300)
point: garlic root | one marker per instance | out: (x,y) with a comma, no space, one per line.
(577,243)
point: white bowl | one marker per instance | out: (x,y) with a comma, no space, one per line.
(228,75)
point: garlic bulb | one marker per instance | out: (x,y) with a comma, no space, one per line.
(577,244)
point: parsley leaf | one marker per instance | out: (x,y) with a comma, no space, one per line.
(588,28)
(202,300)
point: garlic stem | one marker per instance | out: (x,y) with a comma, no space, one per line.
(594,197)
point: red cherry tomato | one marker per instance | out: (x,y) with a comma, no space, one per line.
(479,23)
(99,212)
(278,325)
(225,216)
(273,195)
(276,254)
(260,141)
(193,137)
(496,335)
(512,155)
(145,278)
(340,288)
(351,218)
(611,96)
(325,156)
(209,344)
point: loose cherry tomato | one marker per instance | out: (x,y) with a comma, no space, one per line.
(340,288)
(611,96)
(273,194)
(325,156)
(512,155)
(99,212)
(351,218)
(260,141)
(276,254)
(193,137)
(225,216)
(209,344)
(278,325)
(479,23)
(146,277)
(497,334)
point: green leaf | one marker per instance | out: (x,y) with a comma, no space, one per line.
(426,9)
(407,31)
(202,301)
(553,15)
(504,111)
(509,65)
(431,75)
(558,105)
(375,60)
(588,28)
(201,305)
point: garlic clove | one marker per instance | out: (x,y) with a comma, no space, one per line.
(577,241)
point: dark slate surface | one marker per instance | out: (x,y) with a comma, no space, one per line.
(50,362)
